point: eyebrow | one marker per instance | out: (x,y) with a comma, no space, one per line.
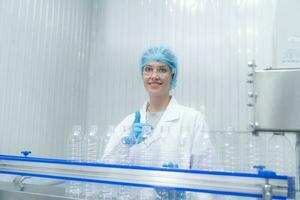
(161,66)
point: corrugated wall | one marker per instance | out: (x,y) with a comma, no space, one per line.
(44,59)
(214,41)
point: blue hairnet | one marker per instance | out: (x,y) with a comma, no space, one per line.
(164,55)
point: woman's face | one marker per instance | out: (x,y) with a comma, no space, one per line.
(157,79)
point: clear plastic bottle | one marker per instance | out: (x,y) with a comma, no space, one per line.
(279,154)
(105,191)
(123,149)
(165,155)
(144,156)
(146,131)
(207,159)
(170,158)
(124,192)
(91,146)
(254,152)
(230,153)
(75,153)
(184,155)
(104,143)
(75,144)
(105,140)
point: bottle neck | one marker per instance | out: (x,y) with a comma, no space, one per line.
(278,133)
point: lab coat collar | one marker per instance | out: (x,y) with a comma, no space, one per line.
(171,113)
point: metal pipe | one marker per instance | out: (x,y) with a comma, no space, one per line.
(267,191)
(297,149)
(275,130)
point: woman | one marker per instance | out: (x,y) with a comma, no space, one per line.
(178,137)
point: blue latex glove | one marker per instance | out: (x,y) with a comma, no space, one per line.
(136,135)
(170,194)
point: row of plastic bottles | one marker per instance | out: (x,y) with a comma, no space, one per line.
(276,157)
(84,148)
(143,155)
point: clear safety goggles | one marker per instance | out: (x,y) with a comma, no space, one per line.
(161,71)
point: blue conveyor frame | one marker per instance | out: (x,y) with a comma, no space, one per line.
(213,182)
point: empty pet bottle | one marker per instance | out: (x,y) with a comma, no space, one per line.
(279,154)
(74,189)
(75,144)
(91,145)
(254,150)
(230,154)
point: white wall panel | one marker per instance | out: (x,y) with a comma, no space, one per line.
(44,51)
(214,40)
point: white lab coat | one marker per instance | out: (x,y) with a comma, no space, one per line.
(181,137)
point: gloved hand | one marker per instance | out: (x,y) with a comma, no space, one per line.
(136,134)
(163,194)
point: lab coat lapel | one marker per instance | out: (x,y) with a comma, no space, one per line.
(143,111)
(172,111)
(171,114)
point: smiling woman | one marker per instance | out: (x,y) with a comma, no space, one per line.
(161,125)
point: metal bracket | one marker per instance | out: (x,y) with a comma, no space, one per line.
(18,181)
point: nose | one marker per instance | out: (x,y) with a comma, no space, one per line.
(156,73)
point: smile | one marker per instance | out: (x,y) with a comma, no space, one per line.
(155,83)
